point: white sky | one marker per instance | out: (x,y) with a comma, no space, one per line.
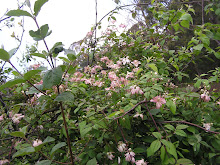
(69,20)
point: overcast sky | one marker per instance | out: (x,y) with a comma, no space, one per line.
(69,20)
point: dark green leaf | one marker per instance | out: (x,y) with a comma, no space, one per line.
(41,33)
(180,132)
(37,6)
(181,126)
(52,77)
(170,127)
(30,74)
(33,90)
(184,23)
(56,147)
(65,59)
(139,150)
(12,83)
(4,55)
(48,140)
(184,161)
(71,57)
(172,106)
(66,96)
(18,13)
(44,162)
(187,17)
(198,47)
(155,145)
(24,151)
(38,55)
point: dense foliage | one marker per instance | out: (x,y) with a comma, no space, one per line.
(125,98)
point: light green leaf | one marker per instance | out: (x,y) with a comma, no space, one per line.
(198,47)
(38,55)
(18,134)
(155,145)
(171,149)
(157,135)
(18,13)
(44,162)
(184,161)
(48,140)
(170,127)
(71,57)
(84,131)
(92,162)
(172,106)
(12,83)
(56,147)
(153,67)
(66,96)
(52,77)
(217,55)
(30,74)
(24,151)
(4,55)
(181,126)
(64,59)
(186,17)
(184,23)
(37,6)
(114,114)
(162,153)
(180,132)
(24,129)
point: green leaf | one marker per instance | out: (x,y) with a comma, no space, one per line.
(155,145)
(181,126)
(92,162)
(186,17)
(180,133)
(24,151)
(184,23)
(38,55)
(139,150)
(37,6)
(217,55)
(56,147)
(170,127)
(52,77)
(12,83)
(157,135)
(184,161)
(162,153)
(24,129)
(48,140)
(84,131)
(41,33)
(114,114)
(30,74)
(198,47)
(4,55)
(171,149)
(172,106)
(33,90)
(18,13)
(44,162)
(66,96)
(153,67)
(71,57)
(64,59)
(18,134)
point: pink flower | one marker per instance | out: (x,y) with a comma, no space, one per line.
(16,118)
(121,146)
(159,101)
(129,156)
(136,90)
(1,117)
(218,102)
(130,75)
(136,63)
(122,25)
(89,34)
(112,76)
(138,114)
(103,72)
(4,161)
(205,97)
(125,60)
(207,126)
(141,162)
(35,66)
(110,155)
(37,142)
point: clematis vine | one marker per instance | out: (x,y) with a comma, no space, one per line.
(159,101)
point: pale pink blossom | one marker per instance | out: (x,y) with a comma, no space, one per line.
(78,74)
(89,34)
(112,76)
(130,75)
(4,161)
(10,114)
(1,117)
(136,90)
(87,69)
(104,59)
(17,117)
(135,69)
(129,156)
(35,66)
(110,155)
(122,25)
(141,162)
(37,142)
(113,21)
(125,60)
(140,115)
(119,160)
(136,63)
(98,83)
(205,97)
(207,126)
(121,146)
(159,101)
(218,102)
(124,81)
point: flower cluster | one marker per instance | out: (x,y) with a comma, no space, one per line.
(205,96)
(159,101)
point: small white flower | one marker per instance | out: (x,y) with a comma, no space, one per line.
(110,155)
(207,126)
(129,156)
(121,146)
